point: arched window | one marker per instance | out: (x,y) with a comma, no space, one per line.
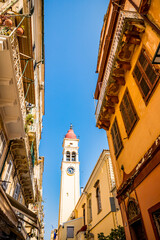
(73,156)
(67,156)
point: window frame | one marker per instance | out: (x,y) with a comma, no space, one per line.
(144,75)
(98,196)
(115,138)
(126,116)
(89,204)
(151,212)
(84,213)
(70,227)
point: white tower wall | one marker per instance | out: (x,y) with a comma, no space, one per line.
(70,186)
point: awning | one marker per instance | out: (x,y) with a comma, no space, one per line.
(8,216)
(25,211)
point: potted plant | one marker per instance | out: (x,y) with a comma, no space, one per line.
(20,30)
(29,121)
(8,22)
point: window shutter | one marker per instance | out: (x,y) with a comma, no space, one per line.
(144,87)
(70,232)
(128,112)
(145,75)
(117,142)
(112,203)
(151,74)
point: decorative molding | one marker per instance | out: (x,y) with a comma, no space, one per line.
(131,181)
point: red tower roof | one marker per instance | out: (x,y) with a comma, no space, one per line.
(71,134)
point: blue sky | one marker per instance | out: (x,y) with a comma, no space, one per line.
(72,33)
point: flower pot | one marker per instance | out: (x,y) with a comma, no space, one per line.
(8,22)
(20,31)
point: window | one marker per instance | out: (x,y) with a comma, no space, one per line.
(2,143)
(16,191)
(84,214)
(98,196)
(7,176)
(154,213)
(89,209)
(70,232)
(73,156)
(128,112)
(145,75)
(156,218)
(116,137)
(67,156)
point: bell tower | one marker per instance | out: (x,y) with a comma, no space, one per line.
(70,187)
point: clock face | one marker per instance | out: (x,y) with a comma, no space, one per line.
(70,170)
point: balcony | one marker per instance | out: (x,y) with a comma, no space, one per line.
(20,149)
(32,131)
(128,32)
(12,98)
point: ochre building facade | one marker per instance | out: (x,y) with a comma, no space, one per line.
(128,96)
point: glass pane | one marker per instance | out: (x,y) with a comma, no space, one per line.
(144,87)
(151,75)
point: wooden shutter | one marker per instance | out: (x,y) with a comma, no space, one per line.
(117,142)
(128,112)
(145,75)
(112,203)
